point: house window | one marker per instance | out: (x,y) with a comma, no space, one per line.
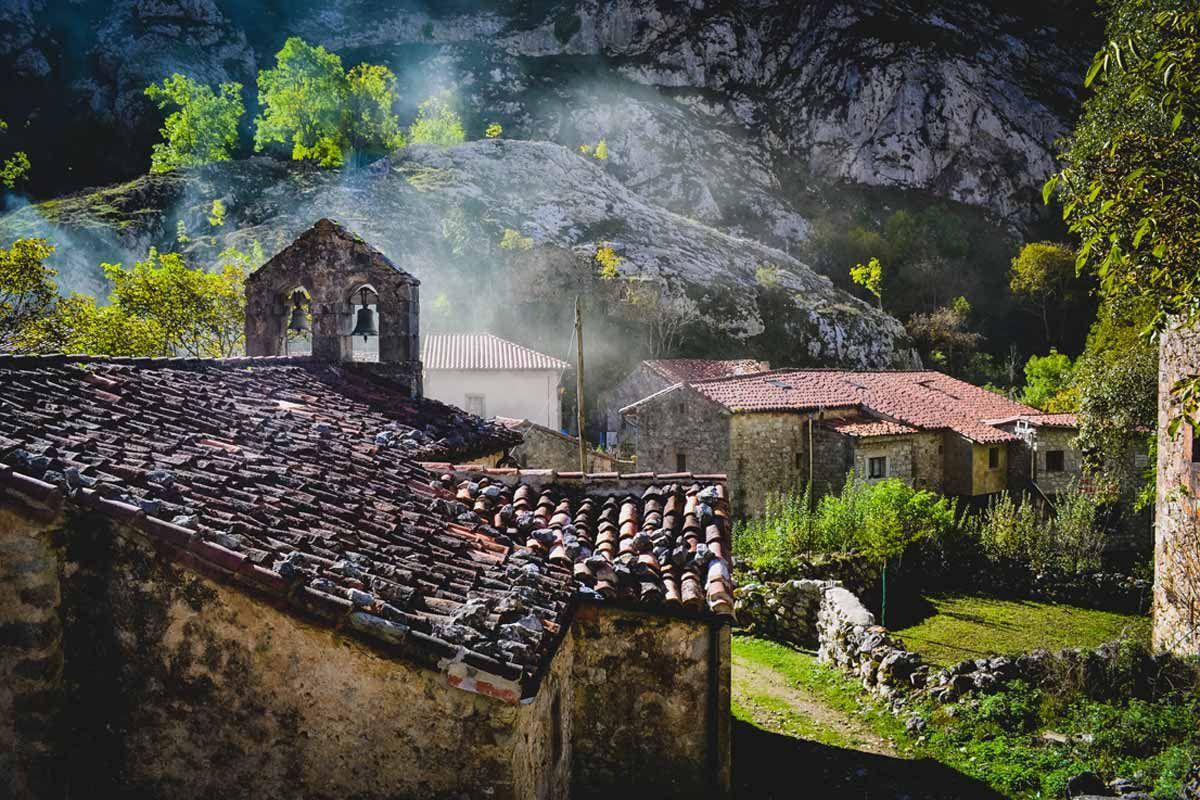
(877,466)
(994,458)
(799,461)
(680,462)
(1055,461)
(475,404)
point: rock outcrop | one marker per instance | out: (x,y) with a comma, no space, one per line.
(441,215)
(733,113)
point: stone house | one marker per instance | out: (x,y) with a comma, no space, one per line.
(546,448)
(657,374)
(777,431)
(493,377)
(1048,454)
(1177,524)
(234,577)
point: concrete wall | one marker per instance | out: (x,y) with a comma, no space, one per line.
(1177,523)
(520,394)
(176,686)
(645,723)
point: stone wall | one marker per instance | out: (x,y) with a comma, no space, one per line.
(639,678)
(1177,528)
(1063,439)
(543,448)
(782,612)
(682,423)
(770,455)
(175,685)
(31,664)
(957,478)
(849,639)
(639,384)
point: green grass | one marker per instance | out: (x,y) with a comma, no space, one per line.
(830,687)
(963,627)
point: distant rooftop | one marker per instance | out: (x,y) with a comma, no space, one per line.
(482,351)
(685,370)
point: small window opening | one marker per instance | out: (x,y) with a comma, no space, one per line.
(475,405)
(1055,461)
(993,458)
(681,462)
(877,466)
(1195,447)
(800,461)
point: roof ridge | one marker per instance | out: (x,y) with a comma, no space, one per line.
(30,360)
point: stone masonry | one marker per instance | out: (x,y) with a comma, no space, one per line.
(1177,529)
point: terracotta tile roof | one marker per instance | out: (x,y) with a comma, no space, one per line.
(866,428)
(1039,420)
(923,399)
(481,351)
(686,370)
(294,480)
(647,540)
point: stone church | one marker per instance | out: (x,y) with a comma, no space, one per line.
(235,577)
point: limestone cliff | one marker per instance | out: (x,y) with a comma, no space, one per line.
(441,215)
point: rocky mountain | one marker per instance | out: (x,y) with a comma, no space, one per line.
(442,214)
(731,113)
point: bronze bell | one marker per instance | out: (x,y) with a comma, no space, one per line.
(365,323)
(299,322)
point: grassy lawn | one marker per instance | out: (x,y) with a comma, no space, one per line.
(963,627)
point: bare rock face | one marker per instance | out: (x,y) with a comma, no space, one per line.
(441,213)
(730,113)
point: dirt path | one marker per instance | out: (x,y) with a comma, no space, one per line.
(778,705)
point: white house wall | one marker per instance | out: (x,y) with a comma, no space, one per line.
(521,394)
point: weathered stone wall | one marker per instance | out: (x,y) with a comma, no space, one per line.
(639,384)
(849,639)
(1177,529)
(782,612)
(985,479)
(546,449)
(642,678)
(179,686)
(683,423)
(958,478)
(1063,439)
(31,664)
(915,459)
(770,455)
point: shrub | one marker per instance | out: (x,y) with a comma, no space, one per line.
(772,543)
(1013,530)
(1078,536)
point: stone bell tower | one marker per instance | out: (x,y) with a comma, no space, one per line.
(334,267)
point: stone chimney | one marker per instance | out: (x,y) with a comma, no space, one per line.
(332,265)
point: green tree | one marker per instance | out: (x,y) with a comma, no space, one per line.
(27,288)
(1131,167)
(216,214)
(1048,382)
(77,324)
(15,168)
(197,313)
(493,130)
(1043,272)
(303,101)
(437,122)
(944,338)
(370,123)
(326,114)
(870,277)
(202,129)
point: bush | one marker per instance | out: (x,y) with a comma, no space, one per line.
(1011,529)
(878,520)
(1078,536)
(1068,539)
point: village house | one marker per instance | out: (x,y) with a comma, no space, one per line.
(493,377)
(234,577)
(777,431)
(1177,524)
(654,376)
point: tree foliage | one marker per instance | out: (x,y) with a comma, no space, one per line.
(944,338)
(1044,272)
(1048,382)
(1130,184)
(14,169)
(27,288)
(324,113)
(870,277)
(202,129)
(437,122)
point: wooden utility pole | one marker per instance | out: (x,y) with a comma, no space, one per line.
(579,385)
